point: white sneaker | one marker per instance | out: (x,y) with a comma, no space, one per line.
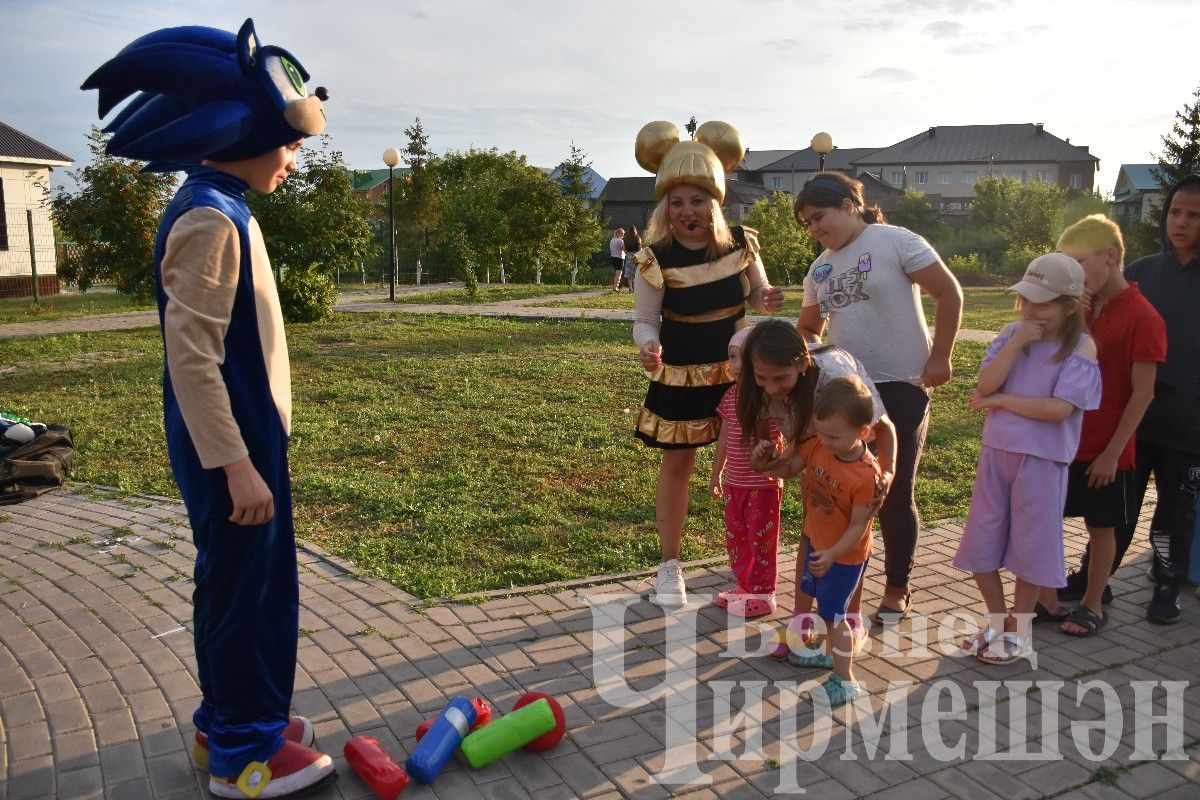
(669,589)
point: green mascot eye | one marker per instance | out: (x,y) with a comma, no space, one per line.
(294,76)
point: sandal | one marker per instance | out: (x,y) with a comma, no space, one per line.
(1012,649)
(979,642)
(748,606)
(1087,619)
(1043,614)
(839,690)
(886,615)
(799,630)
(810,658)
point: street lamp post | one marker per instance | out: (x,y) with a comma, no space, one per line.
(391,157)
(822,144)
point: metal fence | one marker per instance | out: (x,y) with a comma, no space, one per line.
(27,251)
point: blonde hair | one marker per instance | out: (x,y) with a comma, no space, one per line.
(658,231)
(1073,325)
(1093,234)
(847,397)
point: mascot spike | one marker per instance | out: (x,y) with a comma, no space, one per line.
(203,93)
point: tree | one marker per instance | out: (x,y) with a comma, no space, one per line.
(581,220)
(1010,223)
(916,213)
(417,203)
(1181,148)
(112,219)
(313,225)
(787,249)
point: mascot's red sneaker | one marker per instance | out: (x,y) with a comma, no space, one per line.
(298,730)
(293,770)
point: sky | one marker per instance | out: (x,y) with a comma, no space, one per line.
(535,76)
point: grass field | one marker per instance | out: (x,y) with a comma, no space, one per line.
(983,309)
(61,306)
(446,454)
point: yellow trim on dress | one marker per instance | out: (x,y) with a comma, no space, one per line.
(691,431)
(682,277)
(692,375)
(708,316)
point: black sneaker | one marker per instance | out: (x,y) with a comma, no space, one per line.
(1163,608)
(1077,584)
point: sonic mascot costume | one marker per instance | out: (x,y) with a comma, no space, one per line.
(231,113)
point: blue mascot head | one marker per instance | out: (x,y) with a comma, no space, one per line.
(203,93)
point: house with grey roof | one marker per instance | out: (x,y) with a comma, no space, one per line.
(1137,194)
(26,232)
(788,174)
(946,160)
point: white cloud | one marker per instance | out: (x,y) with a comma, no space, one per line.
(943,29)
(890,74)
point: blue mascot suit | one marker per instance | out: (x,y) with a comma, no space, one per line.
(205,94)
(246,602)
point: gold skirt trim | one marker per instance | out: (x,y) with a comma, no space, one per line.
(693,375)
(692,431)
(708,316)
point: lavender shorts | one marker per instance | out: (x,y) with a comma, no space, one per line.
(1015,519)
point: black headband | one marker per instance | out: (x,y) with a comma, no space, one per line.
(828,183)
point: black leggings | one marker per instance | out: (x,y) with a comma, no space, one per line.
(908,408)
(1176,478)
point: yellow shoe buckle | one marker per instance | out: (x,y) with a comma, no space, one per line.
(255,771)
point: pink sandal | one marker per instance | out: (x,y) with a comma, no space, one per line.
(749,606)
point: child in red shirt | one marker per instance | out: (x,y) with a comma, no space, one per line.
(1131,341)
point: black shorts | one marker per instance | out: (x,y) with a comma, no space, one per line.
(617,262)
(1104,507)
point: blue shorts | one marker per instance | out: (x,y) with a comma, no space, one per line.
(832,590)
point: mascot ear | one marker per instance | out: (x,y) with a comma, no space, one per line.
(247,46)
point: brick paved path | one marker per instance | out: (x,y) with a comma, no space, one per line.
(97,679)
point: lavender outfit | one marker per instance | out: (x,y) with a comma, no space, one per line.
(1015,520)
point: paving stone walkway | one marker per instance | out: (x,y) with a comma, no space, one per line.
(97,680)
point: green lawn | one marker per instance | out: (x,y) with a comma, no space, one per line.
(445,455)
(983,309)
(60,306)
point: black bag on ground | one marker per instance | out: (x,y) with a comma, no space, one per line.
(37,466)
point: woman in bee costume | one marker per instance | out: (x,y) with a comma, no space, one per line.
(695,275)
(231,113)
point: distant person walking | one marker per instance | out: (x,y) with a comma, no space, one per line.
(633,243)
(616,249)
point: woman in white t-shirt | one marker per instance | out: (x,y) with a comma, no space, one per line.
(867,286)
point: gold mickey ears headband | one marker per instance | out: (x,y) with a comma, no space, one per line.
(656,139)
(718,148)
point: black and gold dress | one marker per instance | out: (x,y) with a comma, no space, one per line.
(704,303)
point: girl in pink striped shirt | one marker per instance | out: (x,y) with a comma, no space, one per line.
(752,503)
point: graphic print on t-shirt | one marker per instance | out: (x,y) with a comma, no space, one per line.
(843,289)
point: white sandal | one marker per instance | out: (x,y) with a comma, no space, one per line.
(1012,649)
(979,642)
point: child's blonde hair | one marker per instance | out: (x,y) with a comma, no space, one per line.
(1092,234)
(658,231)
(1073,325)
(846,396)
